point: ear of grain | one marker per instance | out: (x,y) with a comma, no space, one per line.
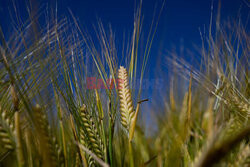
(126,104)
(241,106)
(236,101)
(6,132)
(81,140)
(84,141)
(90,133)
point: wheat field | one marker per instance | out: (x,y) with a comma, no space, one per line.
(52,113)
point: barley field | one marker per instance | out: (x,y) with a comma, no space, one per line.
(58,109)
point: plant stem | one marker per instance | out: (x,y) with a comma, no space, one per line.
(131,157)
(19,149)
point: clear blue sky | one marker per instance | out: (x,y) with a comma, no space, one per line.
(178,27)
(179,22)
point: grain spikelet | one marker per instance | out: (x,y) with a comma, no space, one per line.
(237,102)
(91,132)
(80,152)
(126,104)
(241,106)
(6,132)
(83,141)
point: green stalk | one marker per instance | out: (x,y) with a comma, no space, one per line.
(104,142)
(63,137)
(110,143)
(60,115)
(131,157)
(82,154)
(18,135)
(19,149)
(64,143)
(29,148)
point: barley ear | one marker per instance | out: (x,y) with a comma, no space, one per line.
(126,104)
(91,132)
(80,152)
(6,132)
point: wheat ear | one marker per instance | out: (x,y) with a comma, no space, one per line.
(126,104)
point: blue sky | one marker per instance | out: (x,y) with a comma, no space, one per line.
(178,26)
(179,21)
